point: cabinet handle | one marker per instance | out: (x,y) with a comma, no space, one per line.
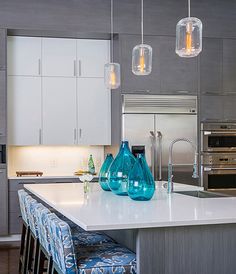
(75,135)
(80,73)
(75,68)
(40,136)
(80,133)
(39,66)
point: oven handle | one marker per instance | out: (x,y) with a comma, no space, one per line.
(206,133)
(219,168)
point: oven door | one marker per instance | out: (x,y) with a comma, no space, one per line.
(220,179)
(218,141)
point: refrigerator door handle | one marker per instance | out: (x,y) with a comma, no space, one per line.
(159,137)
(153,144)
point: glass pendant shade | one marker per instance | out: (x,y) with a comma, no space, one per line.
(189,37)
(120,169)
(103,175)
(141,185)
(142,59)
(112,75)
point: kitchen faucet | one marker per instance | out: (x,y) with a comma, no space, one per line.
(170,165)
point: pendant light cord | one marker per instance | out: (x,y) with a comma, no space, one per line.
(142,20)
(112,31)
(188,8)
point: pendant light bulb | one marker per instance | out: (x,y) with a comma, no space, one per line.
(189,36)
(112,70)
(112,75)
(142,54)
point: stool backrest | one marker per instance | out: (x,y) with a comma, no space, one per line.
(22,195)
(43,229)
(61,244)
(31,207)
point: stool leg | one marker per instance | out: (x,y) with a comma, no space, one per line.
(41,261)
(50,264)
(36,256)
(30,254)
(22,245)
(25,252)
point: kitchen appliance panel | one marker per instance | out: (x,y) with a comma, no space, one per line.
(173,127)
(137,132)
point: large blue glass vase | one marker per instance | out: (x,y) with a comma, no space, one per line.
(120,169)
(141,185)
(103,174)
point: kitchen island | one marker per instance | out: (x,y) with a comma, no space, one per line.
(171,234)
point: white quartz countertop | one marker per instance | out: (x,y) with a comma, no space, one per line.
(101,210)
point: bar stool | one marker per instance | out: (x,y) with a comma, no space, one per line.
(25,232)
(109,258)
(33,250)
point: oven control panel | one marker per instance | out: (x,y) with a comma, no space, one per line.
(218,159)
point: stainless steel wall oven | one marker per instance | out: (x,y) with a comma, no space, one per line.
(218,157)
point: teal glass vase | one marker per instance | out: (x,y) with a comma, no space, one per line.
(120,169)
(103,174)
(141,185)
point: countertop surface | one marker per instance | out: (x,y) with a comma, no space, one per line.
(100,210)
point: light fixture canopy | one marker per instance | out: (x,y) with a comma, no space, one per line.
(112,70)
(112,75)
(189,36)
(142,54)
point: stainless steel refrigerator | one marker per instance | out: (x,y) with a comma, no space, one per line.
(151,122)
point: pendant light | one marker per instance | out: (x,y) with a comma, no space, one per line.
(189,36)
(142,54)
(112,70)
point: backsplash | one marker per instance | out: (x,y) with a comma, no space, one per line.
(53,160)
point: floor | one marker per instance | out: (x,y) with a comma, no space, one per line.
(9,256)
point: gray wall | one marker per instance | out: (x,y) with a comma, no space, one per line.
(161,16)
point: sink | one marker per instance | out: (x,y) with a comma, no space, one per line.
(202,194)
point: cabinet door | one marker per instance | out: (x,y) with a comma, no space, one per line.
(229,104)
(58,57)
(3,101)
(3,203)
(94,113)
(24,110)
(92,55)
(229,65)
(3,49)
(59,110)
(129,81)
(211,66)
(211,107)
(176,74)
(24,56)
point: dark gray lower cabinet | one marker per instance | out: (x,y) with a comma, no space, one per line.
(3,202)
(230,107)
(3,103)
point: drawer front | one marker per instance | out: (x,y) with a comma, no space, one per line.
(15,223)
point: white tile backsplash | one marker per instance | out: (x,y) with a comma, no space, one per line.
(53,160)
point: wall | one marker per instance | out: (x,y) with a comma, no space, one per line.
(53,161)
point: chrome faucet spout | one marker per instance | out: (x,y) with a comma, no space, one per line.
(170,164)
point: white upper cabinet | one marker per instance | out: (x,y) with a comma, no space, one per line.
(58,57)
(24,56)
(94,114)
(59,111)
(24,110)
(92,55)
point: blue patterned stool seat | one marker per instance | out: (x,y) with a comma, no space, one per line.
(106,259)
(84,238)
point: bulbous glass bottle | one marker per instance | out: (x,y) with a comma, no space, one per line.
(120,169)
(141,185)
(103,174)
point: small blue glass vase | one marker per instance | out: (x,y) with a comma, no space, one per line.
(141,185)
(120,169)
(103,174)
